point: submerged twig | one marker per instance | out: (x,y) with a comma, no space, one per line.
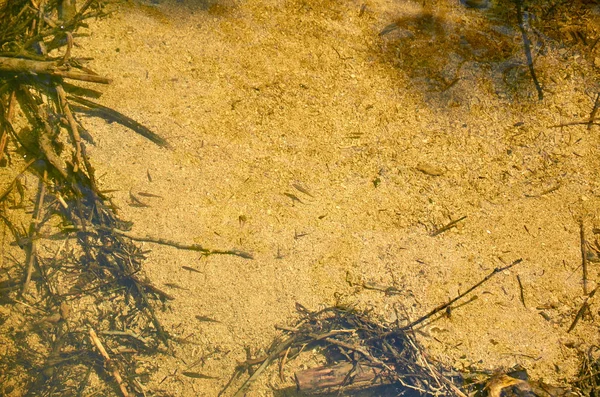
(192,247)
(521,293)
(159,328)
(584,260)
(34,97)
(279,349)
(62,98)
(573,123)
(375,355)
(52,68)
(449,303)
(527,48)
(33,229)
(594,111)
(112,115)
(448,226)
(46,132)
(584,307)
(14,182)
(108,363)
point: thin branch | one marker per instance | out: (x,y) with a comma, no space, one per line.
(527,48)
(594,111)
(192,247)
(448,226)
(33,229)
(52,68)
(585,306)
(14,182)
(448,304)
(274,354)
(73,128)
(45,134)
(521,293)
(170,243)
(584,261)
(108,363)
(159,328)
(109,114)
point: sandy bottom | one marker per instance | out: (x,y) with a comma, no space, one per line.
(333,154)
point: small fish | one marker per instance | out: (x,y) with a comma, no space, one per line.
(389,28)
(136,202)
(173,285)
(293,197)
(241,254)
(279,254)
(206,319)
(191,269)
(299,235)
(20,189)
(302,189)
(476,3)
(355,135)
(197,375)
(447,227)
(144,194)
(136,205)
(362,10)
(430,170)
(387,290)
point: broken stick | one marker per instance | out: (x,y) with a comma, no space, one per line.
(449,303)
(335,378)
(33,230)
(52,68)
(594,111)
(447,227)
(527,48)
(584,262)
(107,362)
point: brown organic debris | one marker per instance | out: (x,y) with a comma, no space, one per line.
(76,271)
(364,353)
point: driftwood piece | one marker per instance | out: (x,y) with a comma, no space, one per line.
(338,377)
(53,68)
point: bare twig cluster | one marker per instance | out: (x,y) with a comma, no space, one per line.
(81,308)
(362,352)
(589,380)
